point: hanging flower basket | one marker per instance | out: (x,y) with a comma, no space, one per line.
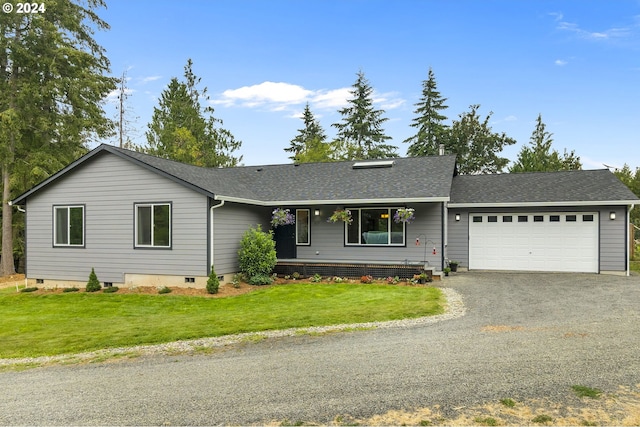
(343,215)
(404,215)
(282,217)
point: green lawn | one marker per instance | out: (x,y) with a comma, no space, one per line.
(37,325)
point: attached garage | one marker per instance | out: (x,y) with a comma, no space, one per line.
(566,221)
(563,241)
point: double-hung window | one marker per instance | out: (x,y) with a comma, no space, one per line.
(375,226)
(153,225)
(68,226)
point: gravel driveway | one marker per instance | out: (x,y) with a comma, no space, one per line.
(523,336)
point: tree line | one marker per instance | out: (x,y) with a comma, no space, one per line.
(54,78)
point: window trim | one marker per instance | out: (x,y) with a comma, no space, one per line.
(358,211)
(308,242)
(55,228)
(136,205)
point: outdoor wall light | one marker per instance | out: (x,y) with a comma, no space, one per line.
(457,217)
(316,212)
(612,215)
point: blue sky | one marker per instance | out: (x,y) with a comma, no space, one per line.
(575,62)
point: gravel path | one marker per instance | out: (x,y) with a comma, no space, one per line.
(523,336)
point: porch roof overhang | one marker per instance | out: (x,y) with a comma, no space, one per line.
(387,201)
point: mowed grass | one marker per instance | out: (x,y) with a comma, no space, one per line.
(38,325)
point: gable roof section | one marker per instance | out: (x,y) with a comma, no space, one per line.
(581,187)
(407,180)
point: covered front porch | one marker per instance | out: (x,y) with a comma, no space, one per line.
(352,269)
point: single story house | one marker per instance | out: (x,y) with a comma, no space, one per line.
(139,219)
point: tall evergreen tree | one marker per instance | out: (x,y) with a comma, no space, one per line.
(475,144)
(428,120)
(181,129)
(632,180)
(360,134)
(539,157)
(309,145)
(52,84)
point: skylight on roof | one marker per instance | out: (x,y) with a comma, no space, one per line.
(374,164)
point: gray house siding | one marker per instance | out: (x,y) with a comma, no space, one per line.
(327,239)
(109,187)
(612,238)
(230,221)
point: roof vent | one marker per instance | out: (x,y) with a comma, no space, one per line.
(374,164)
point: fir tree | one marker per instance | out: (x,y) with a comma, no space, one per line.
(310,144)
(182,130)
(360,134)
(428,120)
(539,157)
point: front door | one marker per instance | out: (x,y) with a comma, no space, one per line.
(285,237)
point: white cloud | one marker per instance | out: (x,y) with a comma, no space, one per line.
(560,62)
(148,79)
(282,96)
(611,33)
(336,98)
(276,95)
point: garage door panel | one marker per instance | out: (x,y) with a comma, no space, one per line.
(544,242)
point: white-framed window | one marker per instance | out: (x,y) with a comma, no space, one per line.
(375,226)
(152,225)
(68,225)
(303,226)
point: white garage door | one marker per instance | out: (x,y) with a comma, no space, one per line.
(566,241)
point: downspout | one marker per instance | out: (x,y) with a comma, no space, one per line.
(211,242)
(627,239)
(444,233)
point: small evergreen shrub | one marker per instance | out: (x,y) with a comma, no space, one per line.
(31,289)
(164,290)
(74,289)
(257,253)
(260,280)
(235,281)
(296,275)
(110,290)
(316,278)
(212,282)
(93,284)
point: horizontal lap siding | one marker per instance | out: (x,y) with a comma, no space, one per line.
(230,223)
(108,187)
(327,239)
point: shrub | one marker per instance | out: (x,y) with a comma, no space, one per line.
(542,419)
(213,283)
(316,278)
(164,290)
(260,279)
(366,279)
(110,290)
(93,284)
(296,275)
(257,253)
(235,281)
(31,289)
(73,289)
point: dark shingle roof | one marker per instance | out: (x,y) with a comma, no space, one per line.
(540,188)
(409,179)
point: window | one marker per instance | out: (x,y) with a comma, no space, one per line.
(554,218)
(303,219)
(153,225)
(68,226)
(492,218)
(538,218)
(477,219)
(570,218)
(375,226)
(587,218)
(507,218)
(523,218)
